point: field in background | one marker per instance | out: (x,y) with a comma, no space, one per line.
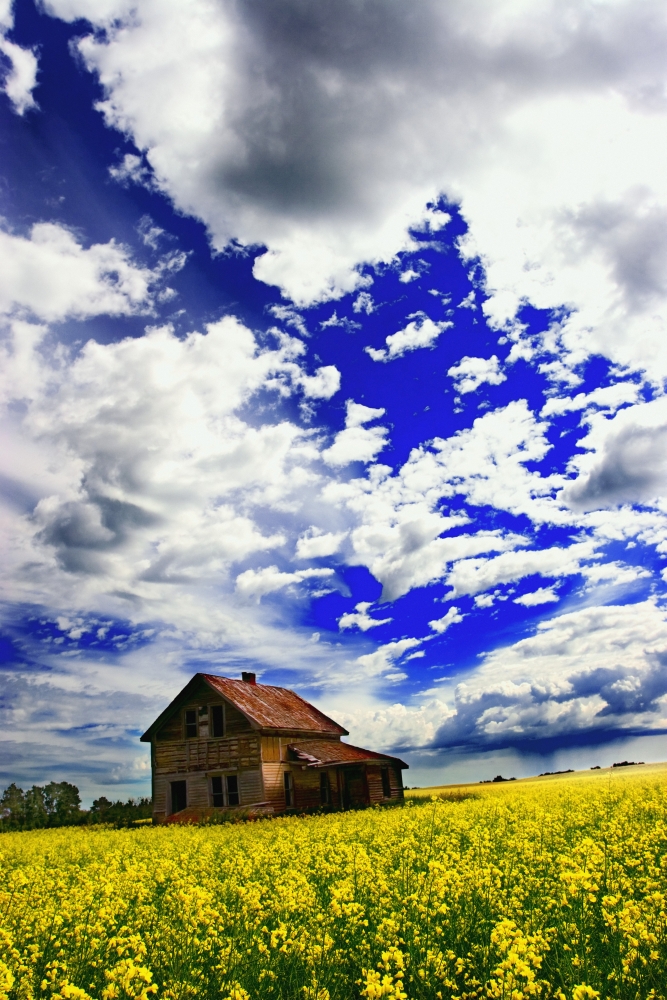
(594,774)
(537,888)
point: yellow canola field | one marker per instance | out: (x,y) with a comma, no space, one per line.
(546,889)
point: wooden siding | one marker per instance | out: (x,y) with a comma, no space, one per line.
(274,790)
(250,787)
(198,790)
(203,755)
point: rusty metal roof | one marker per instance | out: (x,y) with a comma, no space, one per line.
(274,708)
(329,753)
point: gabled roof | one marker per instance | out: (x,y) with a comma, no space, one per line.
(266,707)
(329,753)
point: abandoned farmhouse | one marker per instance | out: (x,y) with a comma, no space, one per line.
(225,743)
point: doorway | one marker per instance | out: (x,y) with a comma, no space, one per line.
(179,796)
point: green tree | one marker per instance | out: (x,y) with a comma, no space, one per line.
(12,807)
(63,803)
(35,811)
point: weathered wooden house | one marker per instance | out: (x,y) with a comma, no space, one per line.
(225,743)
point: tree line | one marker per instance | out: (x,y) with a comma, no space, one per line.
(59,804)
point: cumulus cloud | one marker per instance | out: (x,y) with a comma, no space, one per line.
(357,443)
(593,670)
(49,275)
(273,123)
(21,79)
(470,373)
(360,618)
(626,460)
(138,475)
(316,544)
(420,332)
(324,384)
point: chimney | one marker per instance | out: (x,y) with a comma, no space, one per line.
(248,677)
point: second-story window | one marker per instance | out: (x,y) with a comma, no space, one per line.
(190,723)
(217,721)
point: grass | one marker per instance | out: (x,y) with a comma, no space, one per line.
(553,887)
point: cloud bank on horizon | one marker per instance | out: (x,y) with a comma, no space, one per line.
(333,341)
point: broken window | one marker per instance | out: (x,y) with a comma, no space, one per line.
(386,784)
(190,723)
(217,721)
(289,788)
(325,789)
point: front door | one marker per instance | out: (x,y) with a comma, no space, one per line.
(179,796)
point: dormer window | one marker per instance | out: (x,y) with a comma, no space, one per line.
(190,723)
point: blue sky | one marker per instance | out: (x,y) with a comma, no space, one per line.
(333,347)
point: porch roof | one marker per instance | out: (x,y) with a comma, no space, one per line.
(330,753)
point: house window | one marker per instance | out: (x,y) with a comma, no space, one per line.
(217,794)
(289,788)
(386,784)
(225,790)
(325,789)
(217,721)
(190,723)
(232,790)
(179,796)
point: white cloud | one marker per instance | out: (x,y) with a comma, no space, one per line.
(626,460)
(141,483)
(420,332)
(608,397)
(404,536)
(317,544)
(272,140)
(51,276)
(360,618)
(382,661)
(543,595)
(21,80)
(471,576)
(364,303)
(470,373)
(323,384)
(257,583)
(357,443)
(452,617)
